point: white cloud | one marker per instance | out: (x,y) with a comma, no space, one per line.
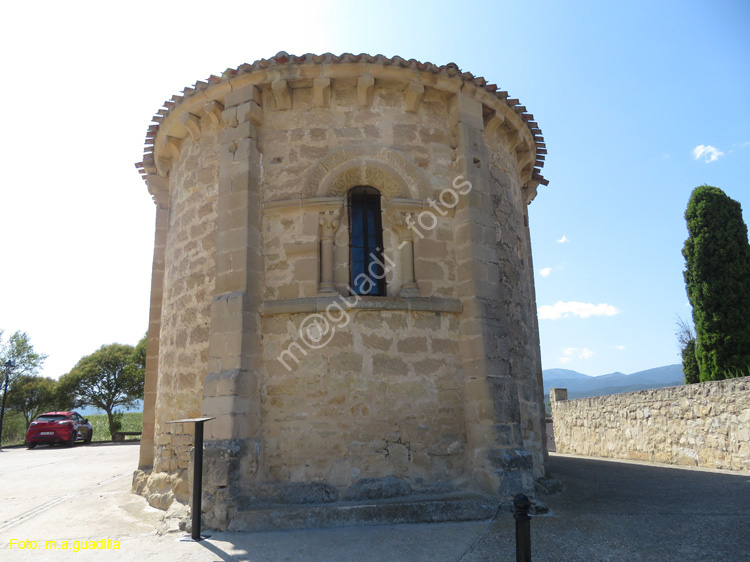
(563,240)
(620,347)
(707,152)
(581,309)
(545,272)
(567,355)
(573,352)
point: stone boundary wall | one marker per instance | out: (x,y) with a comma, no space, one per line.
(705,425)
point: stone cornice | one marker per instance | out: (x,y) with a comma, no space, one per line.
(320,204)
(283,72)
(319,304)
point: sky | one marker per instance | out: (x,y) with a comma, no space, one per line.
(639,102)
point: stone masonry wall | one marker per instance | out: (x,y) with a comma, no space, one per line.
(706,424)
(293,142)
(383,398)
(189,285)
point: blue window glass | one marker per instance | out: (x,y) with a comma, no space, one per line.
(366,242)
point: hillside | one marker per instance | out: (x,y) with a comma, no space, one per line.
(580,385)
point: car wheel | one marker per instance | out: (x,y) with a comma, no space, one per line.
(30,445)
(72,440)
(88,438)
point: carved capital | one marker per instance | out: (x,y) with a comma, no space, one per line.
(329,222)
(400,221)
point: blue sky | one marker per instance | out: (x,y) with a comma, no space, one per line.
(624,93)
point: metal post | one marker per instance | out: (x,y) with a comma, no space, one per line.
(521,505)
(8,366)
(197,473)
(197,480)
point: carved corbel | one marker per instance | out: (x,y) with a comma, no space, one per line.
(365,89)
(321,91)
(492,122)
(173,146)
(213,110)
(524,156)
(513,139)
(193,124)
(529,191)
(158,187)
(283,94)
(414,93)
(163,166)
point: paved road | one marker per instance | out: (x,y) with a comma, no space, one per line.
(609,511)
(622,511)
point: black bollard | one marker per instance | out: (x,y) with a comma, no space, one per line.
(521,505)
(197,474)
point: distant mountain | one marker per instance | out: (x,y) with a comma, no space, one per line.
(91,410)
(584,386)
(563,374)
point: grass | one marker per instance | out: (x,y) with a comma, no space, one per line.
(131,421)
(14,429)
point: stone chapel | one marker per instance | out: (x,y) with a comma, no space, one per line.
(342,277)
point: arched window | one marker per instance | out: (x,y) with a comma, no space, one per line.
(366,267)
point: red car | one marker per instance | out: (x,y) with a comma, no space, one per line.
(59,427)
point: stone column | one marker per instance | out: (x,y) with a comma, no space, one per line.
(231,391)
(400,222)
(159,188)
(329,223)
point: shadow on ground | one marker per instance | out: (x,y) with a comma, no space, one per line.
(617,511)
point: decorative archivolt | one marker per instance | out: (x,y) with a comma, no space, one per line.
(387,170)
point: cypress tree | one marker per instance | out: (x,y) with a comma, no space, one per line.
(717,278)
(689,364)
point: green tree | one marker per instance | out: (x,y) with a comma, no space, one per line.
(17,358)
(139,353)
(690,364)
(107,379)
(32,396)
(686,338)
(717,278)
(20,353)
